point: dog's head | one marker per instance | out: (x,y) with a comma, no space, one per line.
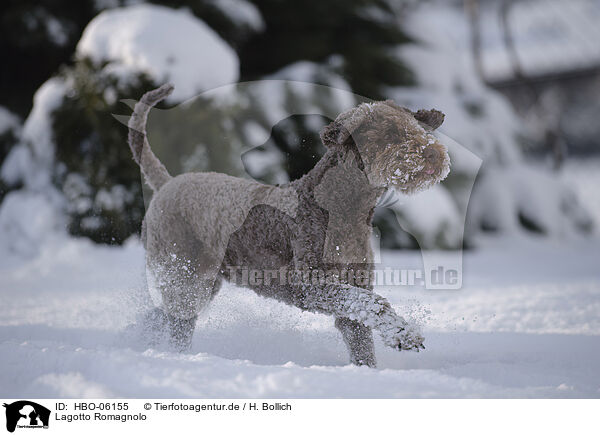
(396,146)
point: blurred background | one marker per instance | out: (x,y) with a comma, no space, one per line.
(518,81)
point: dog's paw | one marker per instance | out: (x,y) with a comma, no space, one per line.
(411,340)
(405,338)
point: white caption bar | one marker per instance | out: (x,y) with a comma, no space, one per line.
(262,416)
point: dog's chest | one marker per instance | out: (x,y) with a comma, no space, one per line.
(332,237)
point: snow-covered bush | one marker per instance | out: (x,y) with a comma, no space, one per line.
(93,166)
(30,215)
(166,44)
(73,148)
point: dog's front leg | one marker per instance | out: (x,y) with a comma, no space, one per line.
(359,341)
(367,308)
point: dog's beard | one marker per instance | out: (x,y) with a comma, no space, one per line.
(406,170)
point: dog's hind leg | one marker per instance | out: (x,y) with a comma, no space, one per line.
(185,288)
(183,298)
(181,330)
(182,276)
(359,341)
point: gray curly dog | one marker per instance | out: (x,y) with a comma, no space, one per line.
(201,228)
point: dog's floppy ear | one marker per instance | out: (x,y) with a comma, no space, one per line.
(338,132)
(431,118)
(333,134)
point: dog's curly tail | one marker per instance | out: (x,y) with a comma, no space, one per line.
(155,172)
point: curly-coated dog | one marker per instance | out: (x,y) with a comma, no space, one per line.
(306,243)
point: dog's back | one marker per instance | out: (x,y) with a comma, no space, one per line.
(208,207)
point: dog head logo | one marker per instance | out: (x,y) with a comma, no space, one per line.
(26,414)
(379,154)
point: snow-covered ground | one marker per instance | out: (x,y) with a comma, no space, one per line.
(525,324)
